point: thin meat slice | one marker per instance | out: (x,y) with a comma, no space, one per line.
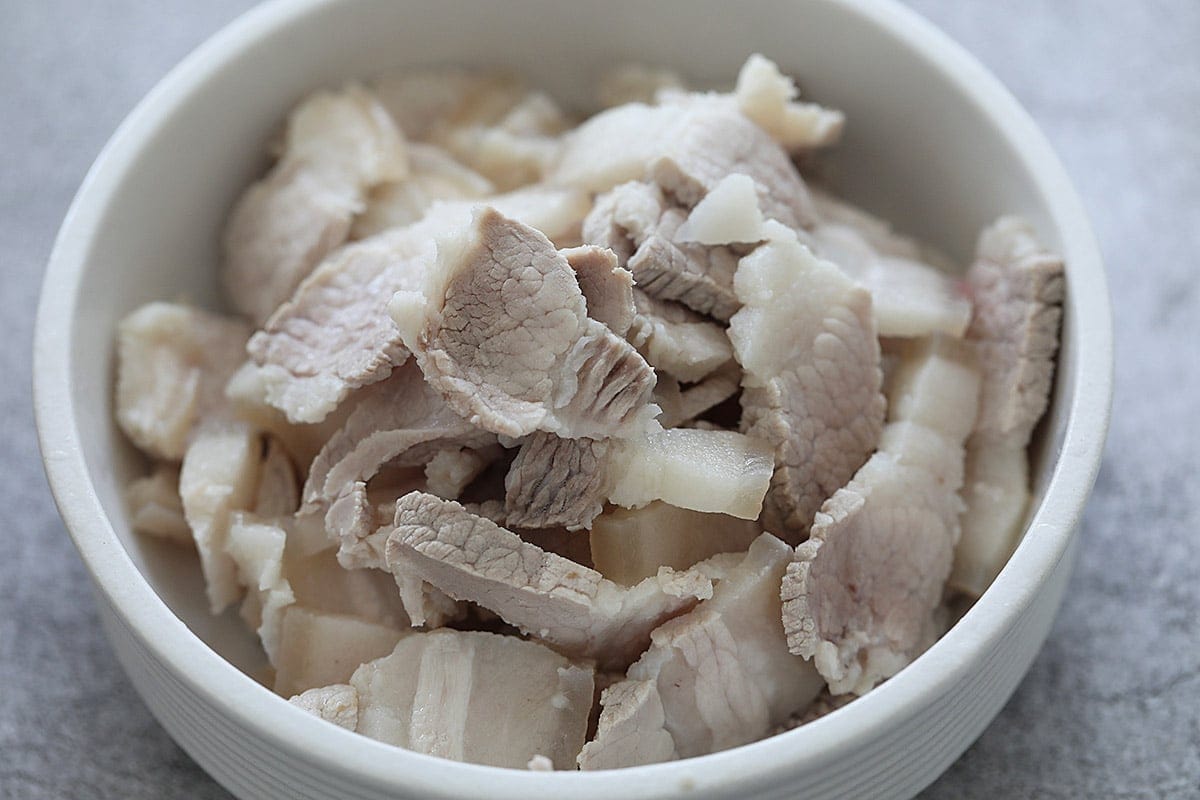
(500,329)
(338,145)
(854,608)
(155,507)
(334,335)
(717,677)
(607,289)
(768,97)
(555,481)
(687,149)
(564,604)
(677,341)
(477,697)
(629,545)
(402,422)
(172,365)
(1018,290)
(806,340)
(318,648)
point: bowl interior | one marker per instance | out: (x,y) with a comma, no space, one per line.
(918,150)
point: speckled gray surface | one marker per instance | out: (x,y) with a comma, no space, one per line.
(1111,708)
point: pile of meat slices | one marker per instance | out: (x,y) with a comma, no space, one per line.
(561,445)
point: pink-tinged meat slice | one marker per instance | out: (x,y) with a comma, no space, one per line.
(172,365)
(806,341)
(862,592)
(338,145)
(500,329)
(334,335)
(716,677)
(568,606)
(1018,289)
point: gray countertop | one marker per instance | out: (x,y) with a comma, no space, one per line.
(1111,708)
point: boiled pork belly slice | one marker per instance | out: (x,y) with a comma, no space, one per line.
(476,697)
(805,338)
(172,365)
(500,329)
(566,482)
(564,604)
(1018,287)
(630,545)
(334,334)
(338,146)
(319,648)
(862,592)
(716,677)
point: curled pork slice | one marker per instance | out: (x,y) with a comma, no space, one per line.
(572,608)
(500,329)
(806,340)
(172,365)
(334,335)
(607,289)
(639,224)
(859,613)
(555,481)
(338,145)
(629,545)
(716,677)
(477,697)
(319,649)
(1018,289)
(677,341)
(402,422)
(155,507)
(219,476)
(687,149)
(337,703)
(433,175)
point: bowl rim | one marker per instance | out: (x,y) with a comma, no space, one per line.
(270,718)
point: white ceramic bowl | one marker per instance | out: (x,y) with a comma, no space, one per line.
(934,143)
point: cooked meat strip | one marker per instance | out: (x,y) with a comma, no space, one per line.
(860,595)
(501,330)
(1018,290)
(335,335)
(477,697)
(338,145)
(172,365)
(564,604)
(716,677)
(806,340)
